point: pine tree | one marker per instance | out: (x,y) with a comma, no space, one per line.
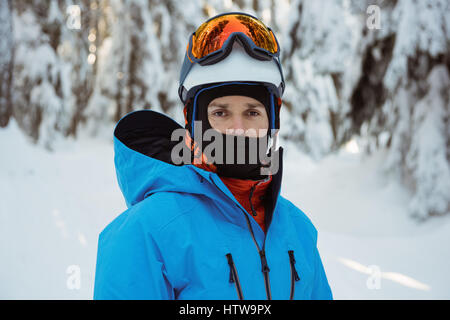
(6,62)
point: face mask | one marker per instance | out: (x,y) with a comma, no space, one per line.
(241,157)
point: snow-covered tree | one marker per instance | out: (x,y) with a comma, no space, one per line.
(388,86)
(138,58)
(319,45)
(6,62)
(417,109)
(50,74)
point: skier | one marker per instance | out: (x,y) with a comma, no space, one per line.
(209,228)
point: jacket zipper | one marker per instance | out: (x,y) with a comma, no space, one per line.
(234,276)
(262,254)
(250,200)
(294,274)
(265,271)
(264,265)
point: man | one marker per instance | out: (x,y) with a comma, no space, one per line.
(215,226)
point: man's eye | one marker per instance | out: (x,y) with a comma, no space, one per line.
(253,113)
(219,113)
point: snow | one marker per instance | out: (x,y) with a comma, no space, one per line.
(53,207)
(421,27)
(54,204)
(365,231)
(427,157)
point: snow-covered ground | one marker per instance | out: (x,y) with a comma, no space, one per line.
(371,248)
(54,204)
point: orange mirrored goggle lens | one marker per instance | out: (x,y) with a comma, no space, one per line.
(211,35)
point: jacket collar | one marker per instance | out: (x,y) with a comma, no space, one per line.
(271,198)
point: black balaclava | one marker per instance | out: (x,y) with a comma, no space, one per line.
(245,170)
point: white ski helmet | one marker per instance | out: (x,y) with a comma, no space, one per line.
(237,66)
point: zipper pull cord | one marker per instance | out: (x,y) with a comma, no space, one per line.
(230,263)
(292,260)
(264,264)
(250,200)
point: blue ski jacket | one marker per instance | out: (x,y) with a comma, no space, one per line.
(185,236)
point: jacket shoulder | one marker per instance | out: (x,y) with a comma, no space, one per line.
(300,219)
(153,213)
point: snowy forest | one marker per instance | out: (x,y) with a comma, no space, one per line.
(366,75)
(380,77)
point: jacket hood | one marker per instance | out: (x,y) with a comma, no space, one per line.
(142,147)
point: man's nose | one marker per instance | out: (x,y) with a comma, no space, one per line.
(237,126)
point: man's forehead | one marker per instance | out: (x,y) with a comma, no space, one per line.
(228,101)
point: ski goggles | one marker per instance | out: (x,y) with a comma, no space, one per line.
(213,40)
